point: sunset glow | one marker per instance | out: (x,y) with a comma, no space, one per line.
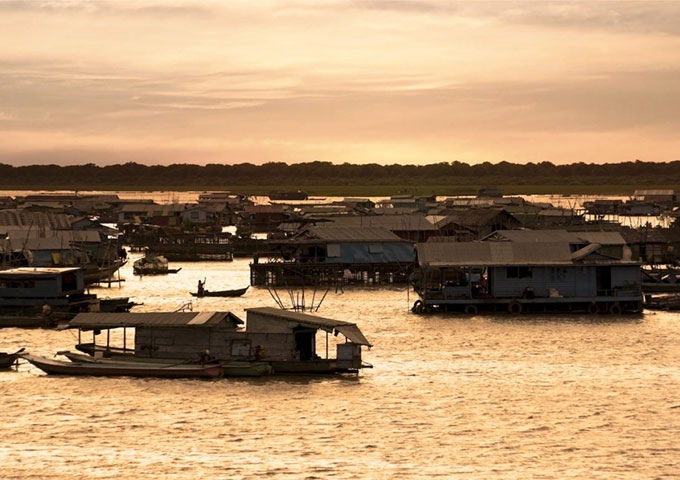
(171,81)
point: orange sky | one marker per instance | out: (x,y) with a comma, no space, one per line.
(204,81)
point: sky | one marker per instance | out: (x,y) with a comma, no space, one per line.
(404,81)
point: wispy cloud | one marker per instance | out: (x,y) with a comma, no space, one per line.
(337,80)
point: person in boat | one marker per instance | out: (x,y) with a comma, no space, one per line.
(201,287)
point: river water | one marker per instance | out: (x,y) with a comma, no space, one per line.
(448,397)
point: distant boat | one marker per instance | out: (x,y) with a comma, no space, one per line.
(153,265)
(9,359)
(58,367)
(221,293)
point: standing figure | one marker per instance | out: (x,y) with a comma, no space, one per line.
(201,288)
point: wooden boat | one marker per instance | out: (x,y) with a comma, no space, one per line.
(663,302)
(231,368)
(221,293)
(59,367)
(9,359)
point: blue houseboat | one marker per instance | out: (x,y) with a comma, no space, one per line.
(520,277)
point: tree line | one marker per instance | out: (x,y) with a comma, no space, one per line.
(325,173)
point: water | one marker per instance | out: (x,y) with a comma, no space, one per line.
(449,397)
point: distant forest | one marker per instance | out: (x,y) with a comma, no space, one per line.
(316,176)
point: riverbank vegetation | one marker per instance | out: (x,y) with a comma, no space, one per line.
(324,178)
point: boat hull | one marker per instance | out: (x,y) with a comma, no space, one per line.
(231,368)
(222,293)
(57,367)
(8,359)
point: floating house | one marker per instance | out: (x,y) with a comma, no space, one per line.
(524,277)
(291,342)
(43,295)
(333,254)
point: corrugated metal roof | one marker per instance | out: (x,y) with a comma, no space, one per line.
(353,234)
(473,217)
(36,220)
(499,254)
(548,236)
(603,238)
(152,319)
(536,236)
(350,330)
(493,254)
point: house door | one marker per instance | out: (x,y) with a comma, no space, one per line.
(603,279)
(304,343)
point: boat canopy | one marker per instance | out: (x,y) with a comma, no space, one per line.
(92,321)
(349,330)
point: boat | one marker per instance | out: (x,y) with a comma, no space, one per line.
(669,302)
(231,368)
(275,339)
(9,359)
(59,367)
(153,265)
(220,293)
(42,296)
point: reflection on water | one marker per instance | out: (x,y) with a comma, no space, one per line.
(450,396)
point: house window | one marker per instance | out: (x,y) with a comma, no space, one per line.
(519,272)
(376,248)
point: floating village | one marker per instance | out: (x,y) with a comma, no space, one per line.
(485,254)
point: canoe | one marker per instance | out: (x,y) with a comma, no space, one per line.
(231,368)
(221,293)
(9,359)
(58,367)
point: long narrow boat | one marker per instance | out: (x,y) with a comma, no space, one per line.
(231,368)
(9,359)
(221,293)
(58,367)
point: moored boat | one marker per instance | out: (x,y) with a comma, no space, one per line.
(9,359)
(59,367)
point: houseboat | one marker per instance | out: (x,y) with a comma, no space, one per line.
(286,341)
(32,296)
(520,277)
(334,255)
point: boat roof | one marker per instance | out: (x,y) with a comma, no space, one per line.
(498,254)
(349,330)
(35,271)
(90,321)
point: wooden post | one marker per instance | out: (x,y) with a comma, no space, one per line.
(326,345)
(124,340)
